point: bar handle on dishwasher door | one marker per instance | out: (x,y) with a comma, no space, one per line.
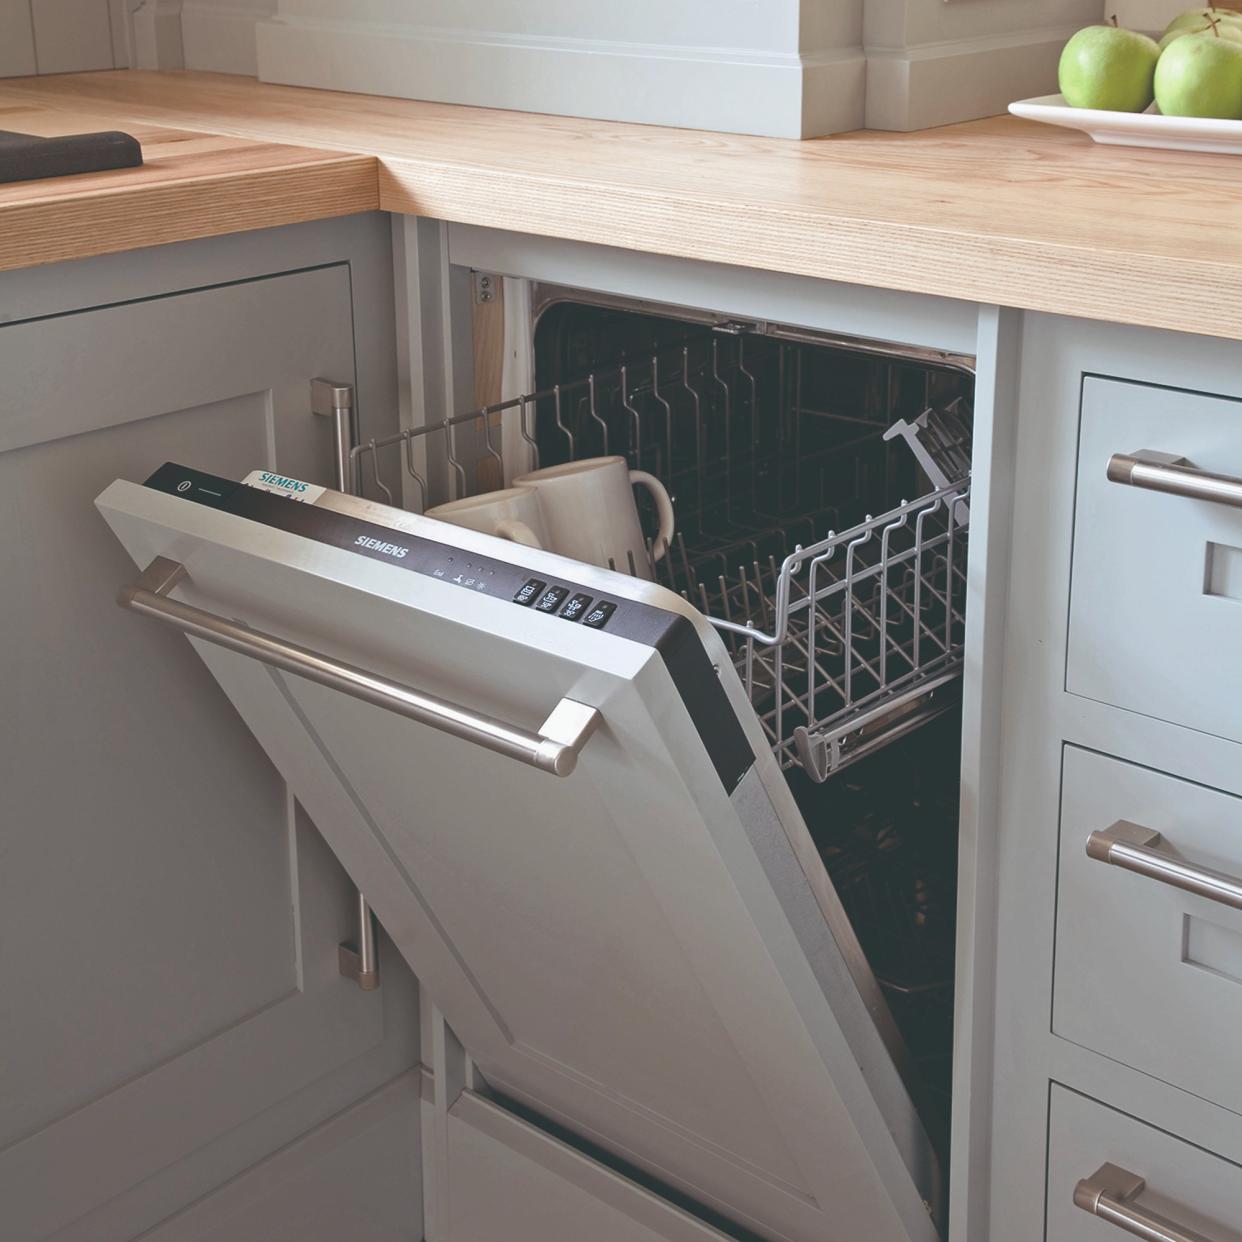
(1166,472)
(1110,1193)
(555,748)
(1132,847)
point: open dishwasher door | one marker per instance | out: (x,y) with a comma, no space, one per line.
(570,825)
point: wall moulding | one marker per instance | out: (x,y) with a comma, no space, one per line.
(786,68)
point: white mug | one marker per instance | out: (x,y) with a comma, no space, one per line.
(514,514)
(589,511)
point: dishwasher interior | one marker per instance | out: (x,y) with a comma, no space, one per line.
(822,493)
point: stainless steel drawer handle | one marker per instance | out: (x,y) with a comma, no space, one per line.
(1166,472)
(1110,1193)
(555,748)
(1132,847)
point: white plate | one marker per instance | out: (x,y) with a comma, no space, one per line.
(1136,129)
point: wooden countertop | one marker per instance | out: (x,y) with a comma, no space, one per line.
(999,211)
(193,184)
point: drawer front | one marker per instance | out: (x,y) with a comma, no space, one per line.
(1183,1185)
(1147,973)
(507,1179)
(1156,599)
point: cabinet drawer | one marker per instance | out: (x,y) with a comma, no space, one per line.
(1147,973)
(508,1179)
(1156,597)
(1185,1186)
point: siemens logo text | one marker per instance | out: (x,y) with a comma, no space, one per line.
(378,545)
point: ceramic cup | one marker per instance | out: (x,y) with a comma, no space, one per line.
(515,514)
(589,511)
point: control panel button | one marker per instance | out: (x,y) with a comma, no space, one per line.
(552,599)
(529,592)
(577,605)
(600,615)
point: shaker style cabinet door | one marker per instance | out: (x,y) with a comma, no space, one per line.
(169,917)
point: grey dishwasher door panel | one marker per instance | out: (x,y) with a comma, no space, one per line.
(608,944)
(1155,621)
(508,1180)
(1146,973)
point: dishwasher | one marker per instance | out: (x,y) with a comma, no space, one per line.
(683,879)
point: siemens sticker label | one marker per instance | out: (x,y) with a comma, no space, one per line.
(282,485)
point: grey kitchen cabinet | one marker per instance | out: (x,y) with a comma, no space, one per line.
(1182,1185)
(1114,990)
(169,917)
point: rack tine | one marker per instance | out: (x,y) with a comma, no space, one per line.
(668,410)
(355,468)
(649,550)
(763,597)
(413,472)
(698,425)
(487,442)
(383,487)
(636,439)
(594,411)
(704,607)
(685,558)
(450,443)
(950,511)
(527,403)
(569,435)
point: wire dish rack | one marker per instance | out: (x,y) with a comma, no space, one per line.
(846,627)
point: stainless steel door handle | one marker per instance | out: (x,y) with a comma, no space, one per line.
(555,748)
(1110,1193)
(1166,472)
(1132,847)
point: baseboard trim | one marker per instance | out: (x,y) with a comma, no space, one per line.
(786,96)
(943,83)
(220,39)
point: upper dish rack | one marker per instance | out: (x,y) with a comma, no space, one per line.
(846,627)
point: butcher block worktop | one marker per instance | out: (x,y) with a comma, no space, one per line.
(998,211)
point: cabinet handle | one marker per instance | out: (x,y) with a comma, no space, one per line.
(1166,472)
(1110,1193)
(555,748)
(1131,846)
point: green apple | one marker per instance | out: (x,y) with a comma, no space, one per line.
(1226,30)
(1108,67)
(1201,75)
(1193,18)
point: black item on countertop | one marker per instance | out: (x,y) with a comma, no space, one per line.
(27,157)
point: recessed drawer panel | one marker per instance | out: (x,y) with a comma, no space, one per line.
(1111,1177)
(509,1180)
(1156,600)
(1147,972)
